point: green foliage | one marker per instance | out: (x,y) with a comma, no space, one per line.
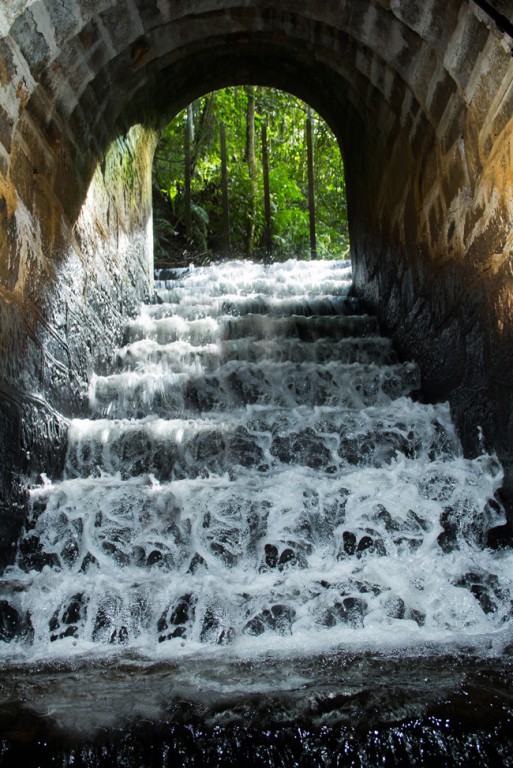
(285,118)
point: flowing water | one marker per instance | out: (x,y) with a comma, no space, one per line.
(257,484)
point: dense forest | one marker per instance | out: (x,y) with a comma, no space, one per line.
(231,177)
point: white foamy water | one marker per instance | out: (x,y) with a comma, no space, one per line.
(255,475)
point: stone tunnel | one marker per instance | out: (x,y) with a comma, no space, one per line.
(420,96)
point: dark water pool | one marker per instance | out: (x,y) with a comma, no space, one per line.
(341,710)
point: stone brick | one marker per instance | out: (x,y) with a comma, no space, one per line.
(102,87)
(31,42)
(405,61)
(467,48)
(79,128)
(471,150)
(455,128)
(90,7)
(503,116)
(455,178)
(451,125)
(443,91)
(6,126)
(436,220)
(33,139)
(90,35)
(427,64)
(40,105)
(89,105)
(443,18)
(7,64)
(120,25)
(421,134)
(65,17)
(79,75)
(69,185)
(151,14)
(410,12)
(356,18)
(98,57)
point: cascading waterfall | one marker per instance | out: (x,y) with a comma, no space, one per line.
(262,544)
(256,477)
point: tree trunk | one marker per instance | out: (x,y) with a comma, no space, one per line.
(311,185)
(268,241)
(252,169)
(188,138)
(205,127)
(224,186)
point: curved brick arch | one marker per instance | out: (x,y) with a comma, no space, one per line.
(98,60)
(90,99)
(420,95)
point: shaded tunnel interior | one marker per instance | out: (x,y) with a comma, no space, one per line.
(420,97)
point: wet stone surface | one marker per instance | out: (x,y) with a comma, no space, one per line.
(355,709)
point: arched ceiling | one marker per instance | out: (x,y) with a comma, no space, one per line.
(79,71)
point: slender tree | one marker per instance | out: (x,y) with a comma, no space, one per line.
(311,184)
(268,239)
(224,188)
(188,139)
(252,169)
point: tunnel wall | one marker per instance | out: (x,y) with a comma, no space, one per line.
(420,96)
(64,306)
(432,246)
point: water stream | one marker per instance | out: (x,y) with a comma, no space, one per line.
(257,484)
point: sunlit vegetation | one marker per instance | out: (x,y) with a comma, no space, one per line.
(201,235)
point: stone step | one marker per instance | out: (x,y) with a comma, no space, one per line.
(329,440)
(135,394)
(208,329)
(178,286)
(239,305)
(182,356)
(214,559)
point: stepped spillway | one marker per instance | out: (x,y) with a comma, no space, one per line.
(257,476)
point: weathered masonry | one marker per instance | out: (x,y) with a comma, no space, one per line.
(420,95)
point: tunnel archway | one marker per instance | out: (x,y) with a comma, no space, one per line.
(357,67)
(420,96)
(232,177)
